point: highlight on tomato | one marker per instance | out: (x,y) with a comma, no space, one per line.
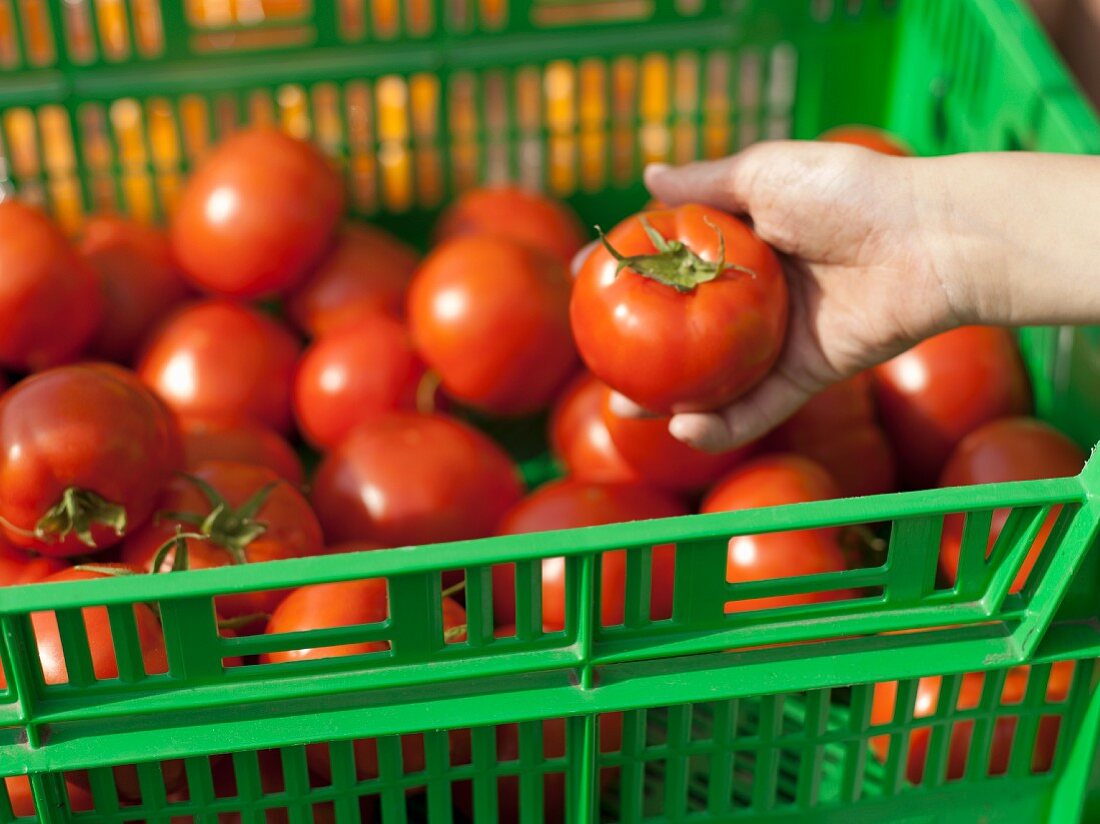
(579,437)
(566,504)
(50,301)
(221,359)
(491,317)
(362,370)
(775,480)
(680,310)
(366,269)
(932,396)
(1009,449)
(83,452)
(258,212)
(518,214)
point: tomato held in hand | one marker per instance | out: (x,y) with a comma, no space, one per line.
(414,479)
(261,518)
(580,438)
(491,316)
(363,370)
(50,302)
(661,461)
(837,428)
(566,504)
(994,759)
(366,269)
(1010,449)
(775,480)
(217,439)
(877,140)
(140,279)
(220,359)
(83,452)
(517,214)
(685,327)
(941,390)
(259,211)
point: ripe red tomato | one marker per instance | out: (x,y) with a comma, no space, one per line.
(941,390)
(19,567)
(259,211)
(566,504)
(775,480)
(83,450)
(360,371)
(221,359)
(877,140)
(995,759)
(50,302)
(414,479)
(694,346)
(366,269)
(283,526)
(1010,449)
(216,439)
(580,438)
(140,279)
(837,428)
(352,603)
(22,800)
(517,214)
(661,461)
(491,316)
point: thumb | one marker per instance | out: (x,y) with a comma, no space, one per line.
(750,417)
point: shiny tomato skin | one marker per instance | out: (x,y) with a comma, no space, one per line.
(566,504)
(776,480)
(140,280)
(838,429)
(934,395)
(580,439)
(292,530)
(218,439)
(221,359)
(491,317)
(50,302)
(671,351)
(877,140)
(661,461)
(995,759)
(364,369)
(366,269)
(92,426)
(1009,449)
(18,567)
(258,212)
(409,478)
(518,214)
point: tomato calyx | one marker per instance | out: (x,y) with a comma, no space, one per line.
(76,513)
(231,529)
(674,263)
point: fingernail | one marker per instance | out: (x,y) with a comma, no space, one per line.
(681,428)
(623,407)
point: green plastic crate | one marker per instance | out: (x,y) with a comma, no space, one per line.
(751,716)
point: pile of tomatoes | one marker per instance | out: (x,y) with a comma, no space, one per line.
(166,384)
